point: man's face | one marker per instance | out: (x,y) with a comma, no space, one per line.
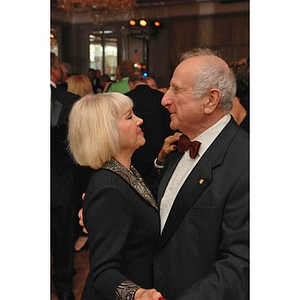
(186,112)
(56,72)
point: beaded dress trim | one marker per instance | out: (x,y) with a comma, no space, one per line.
(133,177)
(126,290)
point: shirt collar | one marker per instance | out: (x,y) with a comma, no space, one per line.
(53,84)
(208,136)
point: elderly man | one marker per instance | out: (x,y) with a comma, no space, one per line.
(204,200)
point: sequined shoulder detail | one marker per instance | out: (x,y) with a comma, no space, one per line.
(133,178)
(126,290)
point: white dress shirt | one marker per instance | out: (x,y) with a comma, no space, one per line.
(186,165)
(53,84)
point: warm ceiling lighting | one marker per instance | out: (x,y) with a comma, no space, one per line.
(106,7)
(143,23)
(156,23)
(132,22)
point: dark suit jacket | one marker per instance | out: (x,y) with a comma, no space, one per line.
(62,166)
(156,126)
(123,232)
(203,251)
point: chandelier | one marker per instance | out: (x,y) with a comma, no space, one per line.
(107,8)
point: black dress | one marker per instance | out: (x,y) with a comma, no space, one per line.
(122,219)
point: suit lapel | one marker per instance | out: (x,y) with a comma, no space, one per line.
(198,180)
(191,190)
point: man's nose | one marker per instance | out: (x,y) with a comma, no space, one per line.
(166,100)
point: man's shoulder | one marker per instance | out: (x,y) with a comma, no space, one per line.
(63,96)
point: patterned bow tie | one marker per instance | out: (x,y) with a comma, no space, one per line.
(184,144)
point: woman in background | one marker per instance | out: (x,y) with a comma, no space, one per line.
(80,85)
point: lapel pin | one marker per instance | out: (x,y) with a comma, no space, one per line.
(201,181)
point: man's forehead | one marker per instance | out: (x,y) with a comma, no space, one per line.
(184,74)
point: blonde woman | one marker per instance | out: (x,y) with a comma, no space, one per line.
(120,213)
(80,85)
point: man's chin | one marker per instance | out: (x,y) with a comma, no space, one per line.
(174,126)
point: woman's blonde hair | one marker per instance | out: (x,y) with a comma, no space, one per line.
(80,85)
(93,134)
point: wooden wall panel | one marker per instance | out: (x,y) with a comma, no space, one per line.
(227,33)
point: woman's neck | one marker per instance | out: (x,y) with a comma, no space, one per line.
(125,160)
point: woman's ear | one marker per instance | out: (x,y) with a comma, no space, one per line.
(212,101)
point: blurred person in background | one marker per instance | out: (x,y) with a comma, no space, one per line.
(80,85)
(63,186)
(124,70)
(156,125)
(105,81)
(241,105)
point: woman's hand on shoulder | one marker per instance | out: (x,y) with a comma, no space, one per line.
(168,146)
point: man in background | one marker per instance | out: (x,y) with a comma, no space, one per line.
(63,207)
(147,105)
(124,70)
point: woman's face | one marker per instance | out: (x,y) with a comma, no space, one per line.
(131,134)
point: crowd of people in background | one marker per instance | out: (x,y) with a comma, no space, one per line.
(102,83)
(215,235)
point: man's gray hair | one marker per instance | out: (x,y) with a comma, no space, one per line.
(213,75)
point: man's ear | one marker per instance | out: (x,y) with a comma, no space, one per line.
(212,101)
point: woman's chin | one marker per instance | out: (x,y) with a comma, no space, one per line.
(141,142)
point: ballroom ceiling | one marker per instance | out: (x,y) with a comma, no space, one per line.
(168,2)
(157,9)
